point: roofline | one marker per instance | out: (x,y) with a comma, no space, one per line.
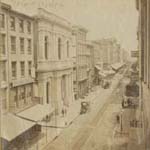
(9,8)
(80,28)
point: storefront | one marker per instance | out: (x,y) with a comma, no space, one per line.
(21,130)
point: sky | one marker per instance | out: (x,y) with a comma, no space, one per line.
(102,18)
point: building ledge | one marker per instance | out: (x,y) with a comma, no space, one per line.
(15,83)
(45,66)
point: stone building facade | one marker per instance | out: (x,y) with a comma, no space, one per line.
(17,83)
(143,7)
(53,60)
(82,55)
(90,63)
(17,59)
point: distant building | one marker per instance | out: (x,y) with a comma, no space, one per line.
(90,63)
(82,55)
(125,56)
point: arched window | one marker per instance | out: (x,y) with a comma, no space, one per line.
(59,48)
(68,48)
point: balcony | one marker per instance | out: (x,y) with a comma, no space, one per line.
(48,65)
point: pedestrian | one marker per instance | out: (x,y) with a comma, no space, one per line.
(128,102)
(118,118)
(63,112)
(122,104)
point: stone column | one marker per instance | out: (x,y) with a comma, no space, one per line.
(148,42)
(145,42)
(42,89)
(41,55)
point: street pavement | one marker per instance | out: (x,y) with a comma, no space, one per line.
(78,133)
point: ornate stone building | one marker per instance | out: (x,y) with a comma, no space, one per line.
(53,40)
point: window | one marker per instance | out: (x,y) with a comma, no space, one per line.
(14,70)
(13,44)
(22,67)
(29,27)
(63,88)
(22,45)
(12,23)
(47,92)
(46,47)
(21,25)
(29,67)
(29,46)
(2,20)
(14,95)
(3,100)
(67,48)
(59,48)
(3,71)
(2,44)
(29,91)
(22,93)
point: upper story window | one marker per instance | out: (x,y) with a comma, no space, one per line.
(2,44)
(46,47)
(3,71)
(47,92)
(29,46)
(29,67)
(29,27)
(59,48)
(68,46)
(22,67)
(14,69)
(12,23)
(2,20)
(21,25)
(13,44)
(22,45)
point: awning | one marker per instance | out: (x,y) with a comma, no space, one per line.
(102,74)
(36,113)
(110,72)
(12,126)
(97,67)
(117,66)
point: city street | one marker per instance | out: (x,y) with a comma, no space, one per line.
(74,75)
(81,134)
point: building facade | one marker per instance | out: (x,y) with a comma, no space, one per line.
(17,75)
(143,7)
(53,60)
(82,56)
(17,59)
(90,63)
